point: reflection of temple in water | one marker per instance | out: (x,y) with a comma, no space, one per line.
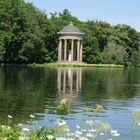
(69,80)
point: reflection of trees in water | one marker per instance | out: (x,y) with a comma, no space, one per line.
(109,83)
(23,91)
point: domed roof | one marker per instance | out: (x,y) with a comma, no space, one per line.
(70,29)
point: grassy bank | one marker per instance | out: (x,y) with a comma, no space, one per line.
(75,65)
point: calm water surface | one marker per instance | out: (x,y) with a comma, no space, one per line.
(25,91)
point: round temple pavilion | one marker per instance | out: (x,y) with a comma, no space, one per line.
(70,44)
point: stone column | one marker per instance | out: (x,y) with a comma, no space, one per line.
(65,50)
(59,80)
(72,45)
(81,49)
(78,48)
(60,50)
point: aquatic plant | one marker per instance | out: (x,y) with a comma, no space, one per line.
(98,109)
(63,106)
(136,118)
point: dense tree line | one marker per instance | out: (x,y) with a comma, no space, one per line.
(27,35)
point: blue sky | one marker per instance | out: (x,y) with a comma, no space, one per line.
(112,11)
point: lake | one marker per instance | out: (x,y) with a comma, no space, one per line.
(25,91)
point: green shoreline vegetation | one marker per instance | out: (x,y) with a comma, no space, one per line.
(75,65)
(27,36)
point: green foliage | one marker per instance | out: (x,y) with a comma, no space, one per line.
(126,37)
(27,35)
(100,30)
(42,133)
(114,54)
(88,130)
(9,133)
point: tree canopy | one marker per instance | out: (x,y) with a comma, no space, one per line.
(27,35)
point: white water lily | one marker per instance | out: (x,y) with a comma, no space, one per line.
(50,137)
(8,127)
(20,124)
(89,122)
(92,130)
(61,122)
(138,124)
(10,117)
(23,138)
(102,134)
(67,129)
(113,131)
(28,122)
(78,132)
(25,129)
(69,134)
(89,135)
(3,126)
(77,136)
(77,126)
(83,138)
(84,130)
(32,116)
(61,138)
(116,134)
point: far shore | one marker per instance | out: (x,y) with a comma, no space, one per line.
(75,65)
